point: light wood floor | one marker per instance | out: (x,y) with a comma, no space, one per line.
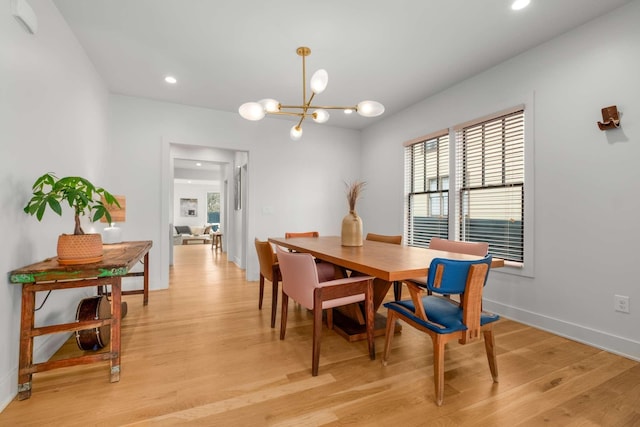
(202,354)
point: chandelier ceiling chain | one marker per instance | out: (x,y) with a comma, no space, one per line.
(319,114)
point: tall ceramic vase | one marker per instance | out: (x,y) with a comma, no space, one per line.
(351,230)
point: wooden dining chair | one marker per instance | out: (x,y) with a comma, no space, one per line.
(300,282)
(289,235)
(439,244)
(444,319)
(393,239)
(396,240)
(270,271)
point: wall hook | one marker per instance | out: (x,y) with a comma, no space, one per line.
(610,118)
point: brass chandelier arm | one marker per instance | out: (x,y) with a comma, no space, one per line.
(324,107)
(302,52)
(285,113)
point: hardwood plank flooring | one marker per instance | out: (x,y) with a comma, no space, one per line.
(202,354)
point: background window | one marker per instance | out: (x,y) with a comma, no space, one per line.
(427,190)
(213,208)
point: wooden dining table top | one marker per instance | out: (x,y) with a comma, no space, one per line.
(386,261)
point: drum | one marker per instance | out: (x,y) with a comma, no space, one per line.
(93,308)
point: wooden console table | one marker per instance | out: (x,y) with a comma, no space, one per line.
(47,275)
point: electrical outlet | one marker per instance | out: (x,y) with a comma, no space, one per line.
(621,303)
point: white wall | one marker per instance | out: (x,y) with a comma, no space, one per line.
(586,180)
(53,117)
(192,191)
(290,185)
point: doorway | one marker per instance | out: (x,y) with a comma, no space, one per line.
(181,165)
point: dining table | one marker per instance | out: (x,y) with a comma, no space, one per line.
(386,262)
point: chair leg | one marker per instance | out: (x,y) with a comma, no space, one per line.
(283,315)
(438,367)
(317,333)
(274,301)
(397,290)
(330,318)
(489,345)
(370,319)
(391,320)
(261,292)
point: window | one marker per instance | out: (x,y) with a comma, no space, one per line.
(488,172)
(427,189)
(490,184)
(213,208)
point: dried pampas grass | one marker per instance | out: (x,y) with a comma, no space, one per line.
(354,190)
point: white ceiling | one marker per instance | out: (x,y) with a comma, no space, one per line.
(188,171)
(225,53)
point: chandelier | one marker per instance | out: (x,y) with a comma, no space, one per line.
(319,114)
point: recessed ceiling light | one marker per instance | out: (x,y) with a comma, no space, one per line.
(520,4)
(170,79)
(198,164)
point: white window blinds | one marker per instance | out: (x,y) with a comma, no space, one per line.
(427,190)
(490,184)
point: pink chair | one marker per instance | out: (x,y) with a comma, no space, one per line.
(469,248)
(300,282)
(326,270)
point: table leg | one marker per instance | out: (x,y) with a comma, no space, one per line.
(26,343)
(145,300)
(115,329)
(351,325)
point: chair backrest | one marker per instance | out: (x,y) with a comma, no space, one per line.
(469,248)
(299,276)
(266,257)
(449,276)
(396,240)
(302,234)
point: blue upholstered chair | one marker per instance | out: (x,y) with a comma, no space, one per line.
(459,247)
(444,319)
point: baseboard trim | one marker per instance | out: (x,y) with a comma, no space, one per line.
(598,339)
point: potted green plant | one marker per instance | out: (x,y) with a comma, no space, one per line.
(85,199)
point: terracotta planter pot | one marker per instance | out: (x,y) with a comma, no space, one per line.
(79,248)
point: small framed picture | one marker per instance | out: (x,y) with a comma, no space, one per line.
(188,207)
